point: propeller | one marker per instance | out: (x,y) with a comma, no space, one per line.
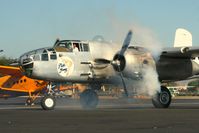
(126,43)
(118,61)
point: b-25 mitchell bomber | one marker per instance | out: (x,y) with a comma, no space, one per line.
(95,63)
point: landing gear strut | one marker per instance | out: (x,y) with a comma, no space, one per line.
(162,99)
(89,99)
(31,99)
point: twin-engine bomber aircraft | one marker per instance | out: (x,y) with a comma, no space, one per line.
(95,63)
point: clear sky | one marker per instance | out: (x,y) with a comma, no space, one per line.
(31,24)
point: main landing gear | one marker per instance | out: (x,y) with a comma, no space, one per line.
(48,102)
(89,98)
(162,99)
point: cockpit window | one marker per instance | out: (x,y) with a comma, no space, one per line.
(80,47)
(76,47)
(65,46)
(44,56)
(71,46)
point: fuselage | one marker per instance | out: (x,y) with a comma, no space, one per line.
(62,63)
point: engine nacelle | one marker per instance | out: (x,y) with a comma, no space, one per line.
(176,69)
(137,60)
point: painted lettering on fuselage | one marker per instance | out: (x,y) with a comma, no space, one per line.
(65,66)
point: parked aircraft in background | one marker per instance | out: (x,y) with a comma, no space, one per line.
(97,63)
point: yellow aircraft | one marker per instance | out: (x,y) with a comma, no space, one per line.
(13,84)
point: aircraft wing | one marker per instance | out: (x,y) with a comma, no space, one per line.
(9,70)
(186,52)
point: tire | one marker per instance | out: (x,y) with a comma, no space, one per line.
(162,99)
(48,102)
(89,99)
(29,101)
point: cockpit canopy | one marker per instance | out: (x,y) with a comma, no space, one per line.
(71,45)
(50,53)
(43,54)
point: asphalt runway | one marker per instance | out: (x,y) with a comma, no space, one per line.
(111,116)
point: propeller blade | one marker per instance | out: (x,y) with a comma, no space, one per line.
(124,85)
(126,43)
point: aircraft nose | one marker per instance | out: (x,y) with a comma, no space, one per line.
(29,61)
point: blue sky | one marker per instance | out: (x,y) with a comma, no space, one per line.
(31,24)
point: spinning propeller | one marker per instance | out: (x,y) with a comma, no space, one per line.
(118,61)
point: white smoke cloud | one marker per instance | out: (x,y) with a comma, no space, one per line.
(145,37)
(142,35)
(150,83)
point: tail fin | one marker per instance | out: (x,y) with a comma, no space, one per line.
(183,38)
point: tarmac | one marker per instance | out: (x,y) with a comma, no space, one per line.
(112,116)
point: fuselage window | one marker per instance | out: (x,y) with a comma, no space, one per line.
(52,53)
(36,58)
(44,56)
(53,56)
(86,47)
